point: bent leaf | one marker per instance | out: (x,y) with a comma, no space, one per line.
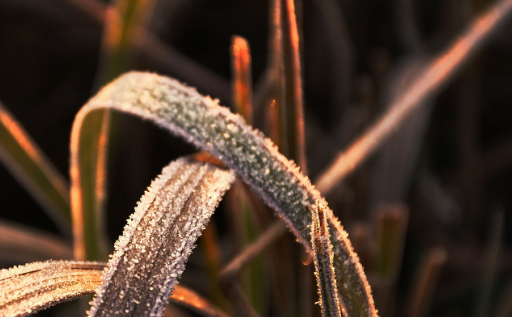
(27,289)
(159,237)
(201,121)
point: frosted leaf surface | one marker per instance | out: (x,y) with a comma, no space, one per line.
(324,269)
(151,254)
(30,288)
(201,121)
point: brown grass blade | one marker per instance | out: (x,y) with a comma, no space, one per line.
(33,287)
(430,81)
(159,237)
(33,170)
(20,244)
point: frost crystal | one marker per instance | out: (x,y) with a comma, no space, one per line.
(201,121)
(150,255)
(27,289)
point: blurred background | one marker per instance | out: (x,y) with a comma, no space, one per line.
(438,193)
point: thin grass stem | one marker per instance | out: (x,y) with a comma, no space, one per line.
(429,82)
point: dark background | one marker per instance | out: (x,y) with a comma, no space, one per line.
(460,177)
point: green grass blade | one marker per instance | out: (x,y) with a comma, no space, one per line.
(201,121)
(159,237)
(123,24)
(33,170)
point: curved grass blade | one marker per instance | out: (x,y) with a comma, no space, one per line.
(33,170)
(33,287)
(123,22)
(20,244)
(201,121)
(159,237)
(324,269)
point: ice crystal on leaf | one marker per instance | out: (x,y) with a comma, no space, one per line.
(201,121)
(30,288)
(151,254)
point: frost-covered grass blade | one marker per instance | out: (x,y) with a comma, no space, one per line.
(323,259)
(33,287)
(159,237)
(201,121)
(27,289)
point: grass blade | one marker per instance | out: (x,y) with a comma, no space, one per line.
(33,170)
(426,281)
(242,77)
(122,24)
(429,82)
(33,287)
(293,107)
(201,121)
(19,244)
(324,269)
(287,110)
(159,237)
(194,301)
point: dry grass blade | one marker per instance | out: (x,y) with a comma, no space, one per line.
(203,122)
(428,83)
(324,269)
(159,237)
(33,287)
(19,244)
(33,170)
